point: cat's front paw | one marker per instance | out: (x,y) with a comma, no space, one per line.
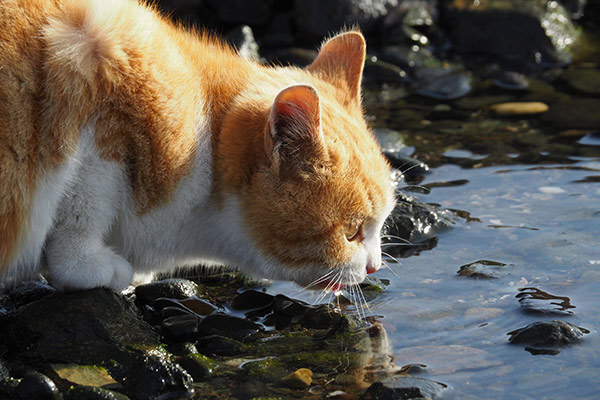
(102,268)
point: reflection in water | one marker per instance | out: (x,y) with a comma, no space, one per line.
(536,301)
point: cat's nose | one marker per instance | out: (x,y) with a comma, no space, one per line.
(372,267)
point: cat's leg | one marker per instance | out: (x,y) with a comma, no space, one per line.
(76,253)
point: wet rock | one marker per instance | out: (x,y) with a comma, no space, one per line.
(242,39)
(584,80)
(198,366)
(67,375)
(442,83)
(411,225)
(513,33)
(288,312)
(482,269)
(215,345)
(536,301)
(27,292)
(37,386)
(181,328)
(251,300)
(168,312)
(541,334)
(405,388)
(93,393)
(156,377)
(169,288)
(519,108)
(94,327)
(299,379)
(199,306)
(268,369)
(231,327)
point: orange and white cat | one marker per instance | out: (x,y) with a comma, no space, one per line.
(128,144)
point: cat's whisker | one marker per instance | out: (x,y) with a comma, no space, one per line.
(395,244)
(391,257)
(318,280)
(425,189)
(395,237)
(389,267)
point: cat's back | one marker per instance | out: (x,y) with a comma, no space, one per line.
(20,83)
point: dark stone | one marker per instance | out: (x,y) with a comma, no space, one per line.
(93,393)
(378,391)
(199,306)
(442,83)
(170,288)
(404,388)
(251,300)
(518,35)
(154,375)
(168,312)
(180,328)
(216,345)
(225,325)
(573,113)
(4,372)
(411,225)
(316,19)
(251,12)
(94,327)
(27,292)
(482,269)
(197,366)
(555,333)
(37,386)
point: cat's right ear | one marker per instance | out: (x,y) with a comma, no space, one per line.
(295,137)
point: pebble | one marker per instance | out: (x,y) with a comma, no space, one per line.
(180,328)
(251,300)
(170,288)
(220,346)
(482,269)
(299,379)
(37,386)
(519,108)
(511,80)
(93,393)
(226,325)
(536,301)
(199,306)
(198,366)
(555,333)
(83,375)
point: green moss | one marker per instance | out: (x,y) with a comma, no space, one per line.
(267,369)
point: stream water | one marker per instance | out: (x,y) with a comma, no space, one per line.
(527,191)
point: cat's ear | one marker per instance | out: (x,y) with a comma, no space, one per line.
(294,132)
(341,61)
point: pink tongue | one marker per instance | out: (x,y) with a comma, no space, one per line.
(336,287)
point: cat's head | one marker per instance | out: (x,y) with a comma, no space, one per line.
(315,202)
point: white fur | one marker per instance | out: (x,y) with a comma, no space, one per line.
(98,239)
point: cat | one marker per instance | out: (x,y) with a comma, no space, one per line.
(130,144)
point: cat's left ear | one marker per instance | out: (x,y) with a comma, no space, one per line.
(295,136)
(341,61)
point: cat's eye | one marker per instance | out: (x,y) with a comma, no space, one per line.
(352,231)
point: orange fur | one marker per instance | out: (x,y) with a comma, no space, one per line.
(146,85)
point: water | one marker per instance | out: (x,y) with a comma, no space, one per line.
(533,195)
